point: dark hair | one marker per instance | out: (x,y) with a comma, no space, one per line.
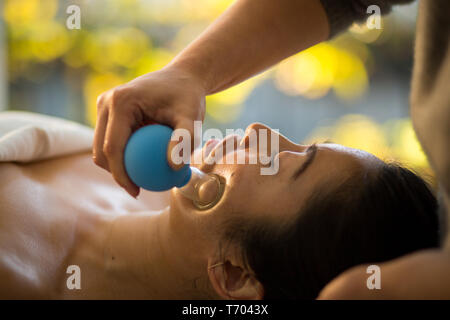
(368,218)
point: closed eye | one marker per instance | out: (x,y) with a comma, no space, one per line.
(311,153)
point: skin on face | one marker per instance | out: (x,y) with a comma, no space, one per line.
(250,195)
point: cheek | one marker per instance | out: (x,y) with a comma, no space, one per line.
(245,190)
(249,191)
(192,226)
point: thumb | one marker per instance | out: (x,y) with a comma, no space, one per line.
(181,144)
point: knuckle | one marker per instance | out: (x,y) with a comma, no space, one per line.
(119,93)
(119,102)
(116,93)
(109,149)
(100,100)
(98,160)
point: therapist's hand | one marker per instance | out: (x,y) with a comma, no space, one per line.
(169,96)
(423,274)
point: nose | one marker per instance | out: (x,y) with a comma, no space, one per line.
(260,132)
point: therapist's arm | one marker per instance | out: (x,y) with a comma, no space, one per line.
(251,36)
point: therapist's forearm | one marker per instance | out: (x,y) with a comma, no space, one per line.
(249,37)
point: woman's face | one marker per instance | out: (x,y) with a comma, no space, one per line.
(249,195)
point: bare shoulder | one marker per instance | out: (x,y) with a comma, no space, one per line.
(10,174)
(8,170)
(70,178)
(420,275)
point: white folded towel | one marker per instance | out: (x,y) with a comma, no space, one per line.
(27,136)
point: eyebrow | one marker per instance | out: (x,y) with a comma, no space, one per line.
(311,153)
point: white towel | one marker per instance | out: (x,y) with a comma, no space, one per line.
(27,136)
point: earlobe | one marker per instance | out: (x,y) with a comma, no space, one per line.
(217,279)
(249,289)
(233,282)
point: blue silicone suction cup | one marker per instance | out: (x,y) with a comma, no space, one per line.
(146,163)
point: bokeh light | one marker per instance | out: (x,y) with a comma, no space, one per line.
(120,40)
(314,72)
(394,140)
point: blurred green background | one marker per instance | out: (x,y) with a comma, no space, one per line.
(352,90)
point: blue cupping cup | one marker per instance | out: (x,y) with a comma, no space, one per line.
(145,160)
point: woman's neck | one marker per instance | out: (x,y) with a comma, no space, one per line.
(143,259)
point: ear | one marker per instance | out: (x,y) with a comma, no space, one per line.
(231,281)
